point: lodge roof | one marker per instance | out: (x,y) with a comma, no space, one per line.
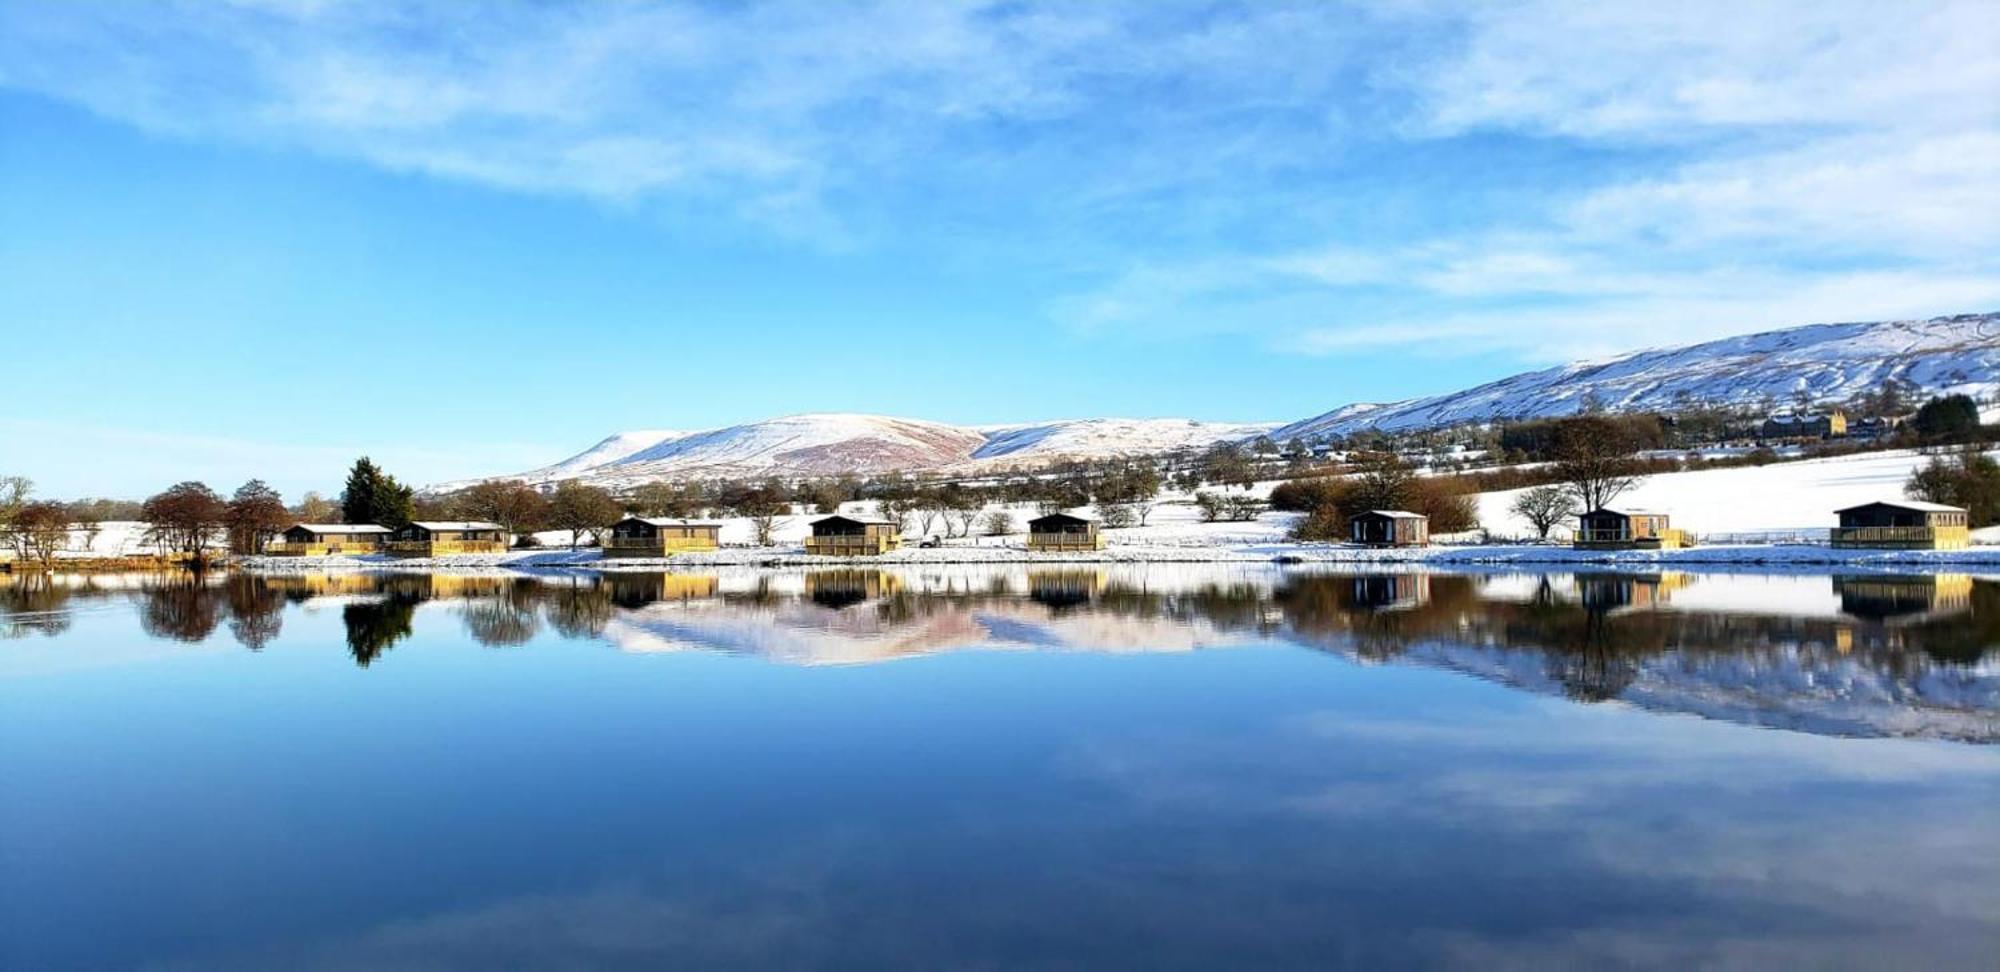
(1626,512)
(849,518)
(667,521)
(1069,517)
(1395,514)
(340,528)
(456,525)
(1919,506)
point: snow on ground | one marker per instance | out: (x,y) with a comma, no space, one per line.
(1796,498)
(112,538)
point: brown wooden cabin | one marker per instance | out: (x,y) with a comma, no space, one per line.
(328,540)
(443,538)
(1903,525)
(645,536)
(1064,533)
(853,536)
(1608,529)
(1390,528)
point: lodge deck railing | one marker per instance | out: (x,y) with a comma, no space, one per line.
(1911,536)
(1063,542)
(444,548)
(1665,539)
(615,545)
(336,548)
(851,546)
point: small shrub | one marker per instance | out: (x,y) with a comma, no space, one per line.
(999,523)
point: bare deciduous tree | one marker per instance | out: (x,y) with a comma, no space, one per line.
(1595,457)
(1544,507)
(314,508)
(14,493)
(513,504)
(185,519)
(256,514)
(582,509)
(39,531)
(999,523)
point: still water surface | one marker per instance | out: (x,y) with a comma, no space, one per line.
(1159,767)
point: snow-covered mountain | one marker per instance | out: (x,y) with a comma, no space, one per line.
(610,450)
(832,444)
(1831,362)
(1101,438)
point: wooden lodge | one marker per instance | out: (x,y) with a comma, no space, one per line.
(1064,533)
(853,536)
(1903,525)
(643,536)
(328,540)
(1390,528)
(444,538)
(1608,529)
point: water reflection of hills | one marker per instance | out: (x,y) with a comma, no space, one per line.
(1864,655)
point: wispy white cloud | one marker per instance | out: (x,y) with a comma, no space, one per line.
(1708,68)
(761,105)
(1772,161)
(1815,162)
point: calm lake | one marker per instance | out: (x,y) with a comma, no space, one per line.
(1147,767)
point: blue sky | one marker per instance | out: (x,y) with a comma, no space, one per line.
(259,237)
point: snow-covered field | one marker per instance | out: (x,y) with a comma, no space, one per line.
(1782,498)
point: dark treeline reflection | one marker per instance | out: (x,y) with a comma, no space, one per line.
(1592,628)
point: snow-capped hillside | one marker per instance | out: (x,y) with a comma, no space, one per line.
(608,451)
(831,444)
(1828,361)
(1100,438)
(801,445)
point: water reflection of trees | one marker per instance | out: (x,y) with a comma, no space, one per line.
(373,627)
(256,611)
(181,608)
(580,610)
(1593,630)
(32,604)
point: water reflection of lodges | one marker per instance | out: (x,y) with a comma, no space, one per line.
(1635,592)
(1904,600)
(1391,592)
(632,591)
(837,590)
(420,587)
(1066,588)
(298,587)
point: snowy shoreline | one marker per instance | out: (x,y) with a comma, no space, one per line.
(1779,557)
